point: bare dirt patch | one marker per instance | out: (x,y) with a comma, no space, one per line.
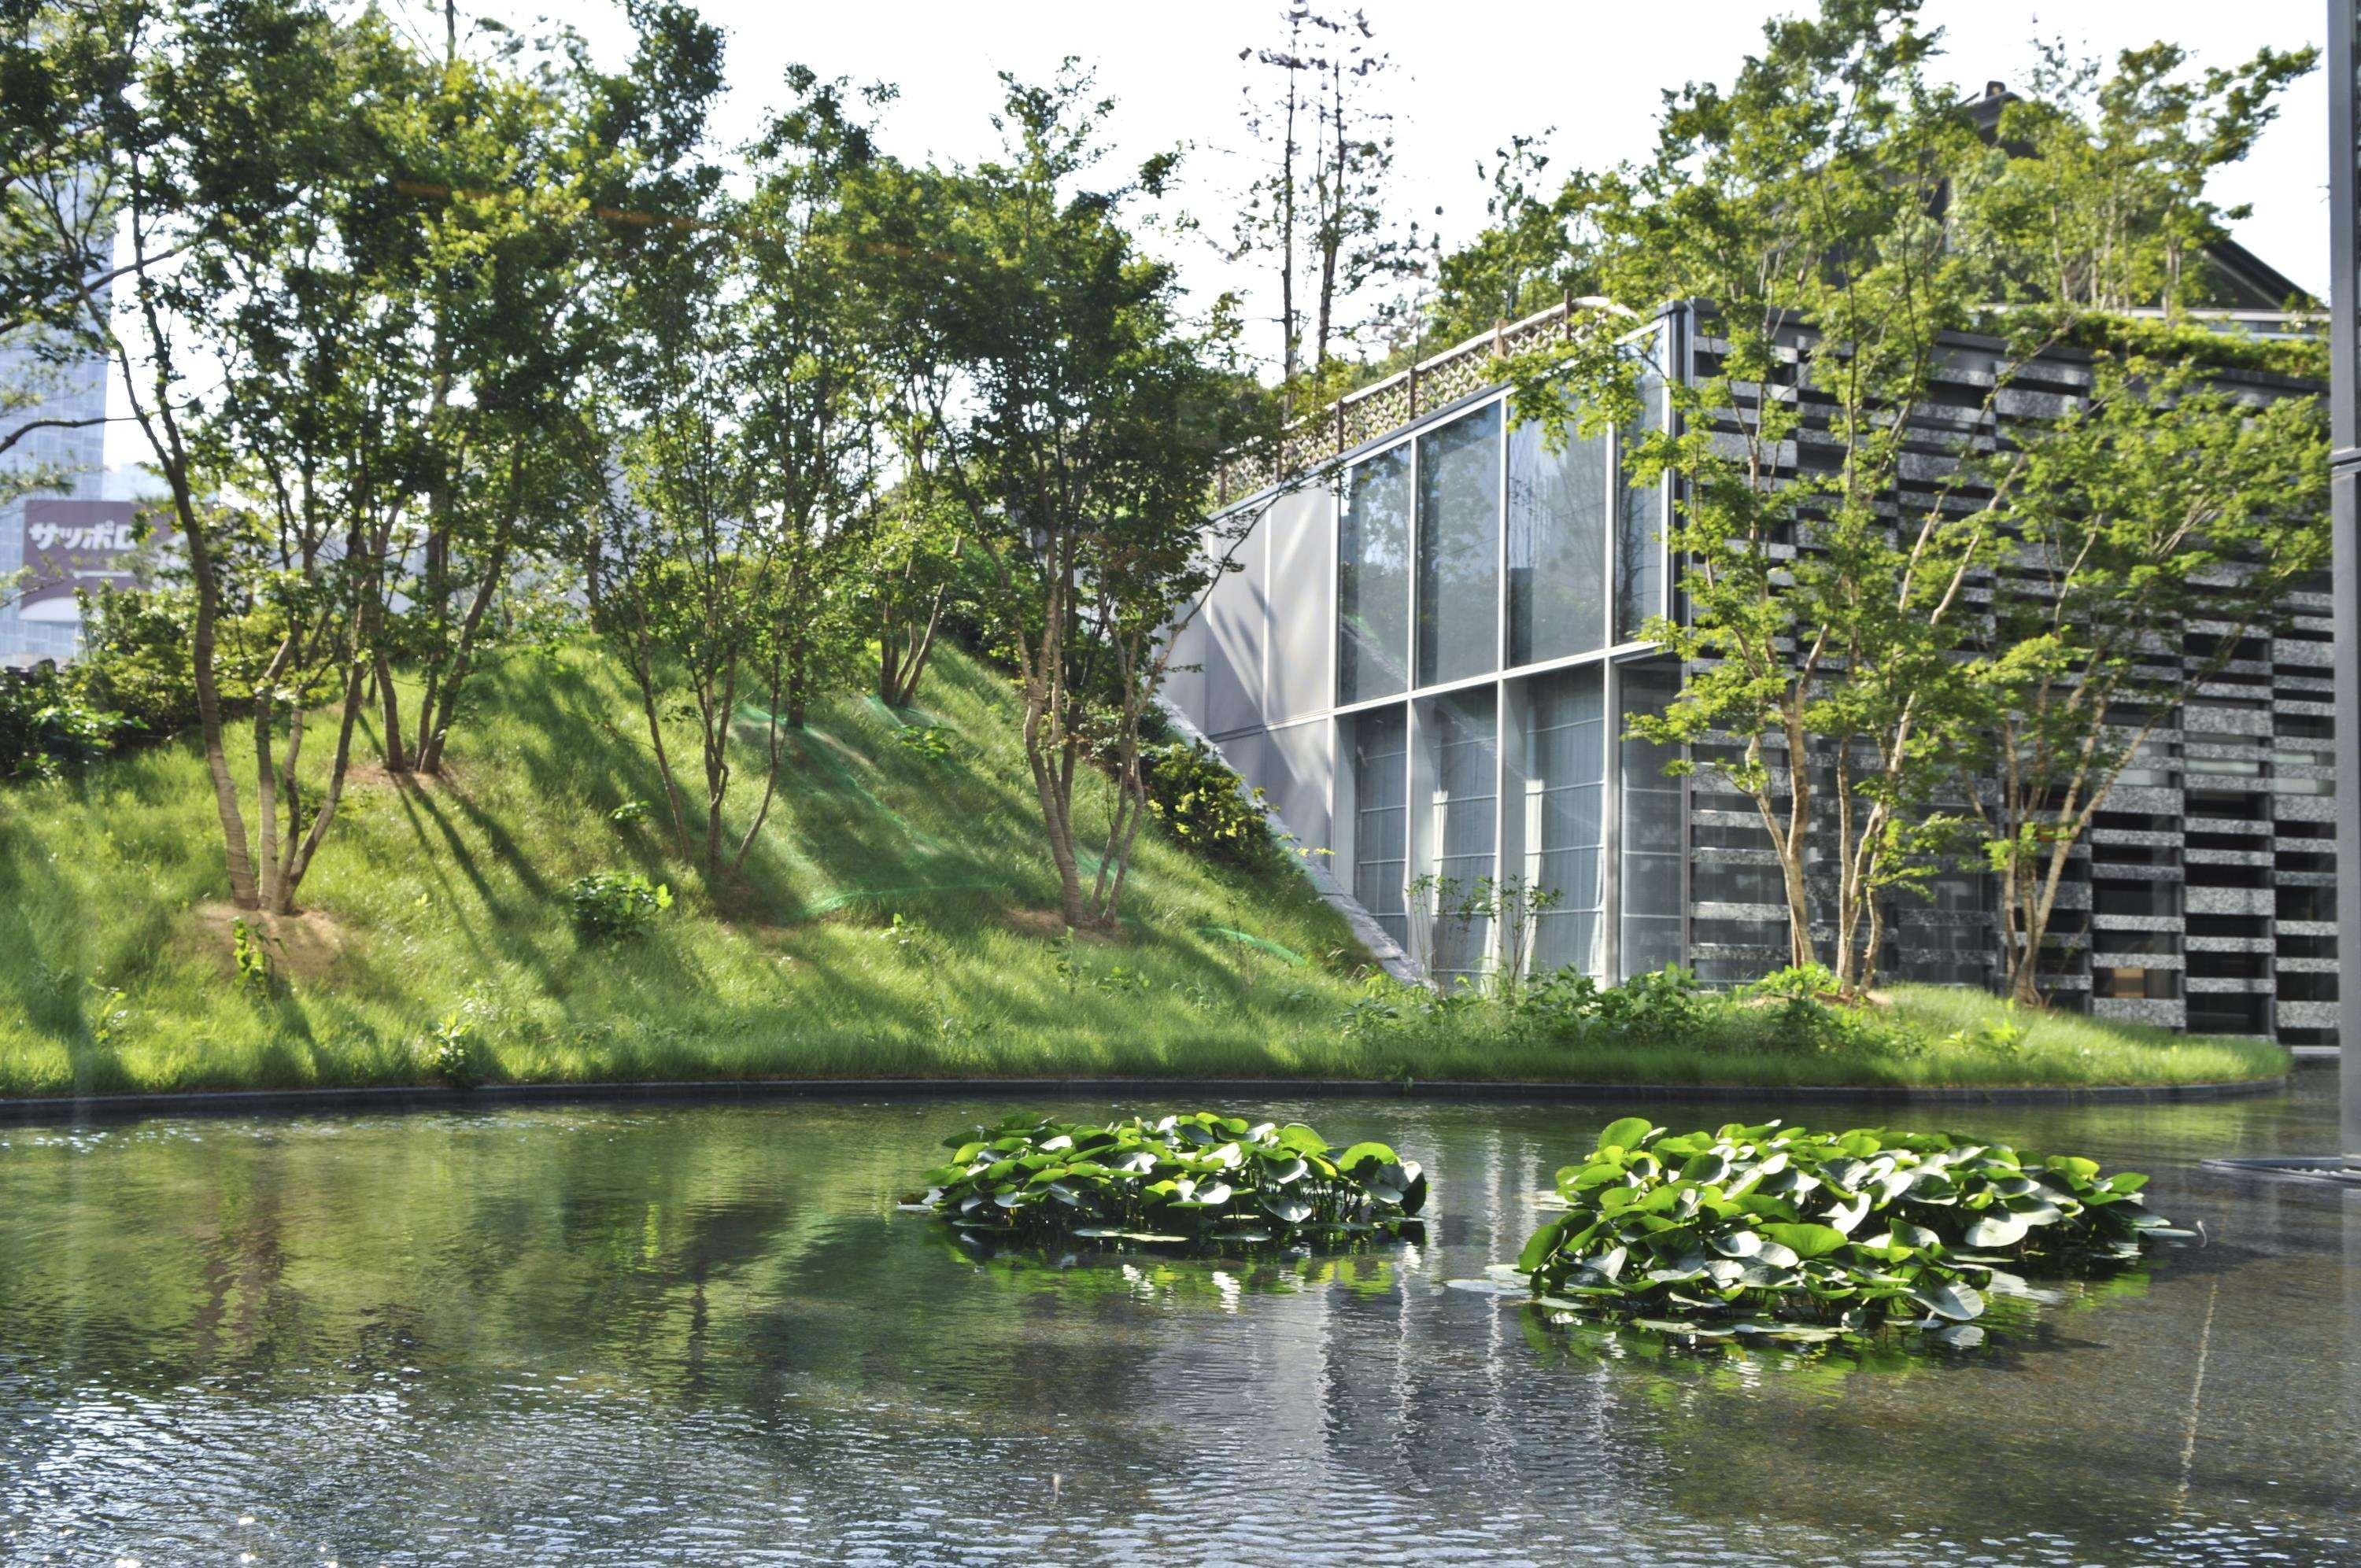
(374,774)
(1049,925)
(303,946)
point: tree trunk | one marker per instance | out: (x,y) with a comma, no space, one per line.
(245,890)
(397,759)
(1287,239)
(443,695)
(901,659)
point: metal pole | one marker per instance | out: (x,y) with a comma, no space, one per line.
(2344,488)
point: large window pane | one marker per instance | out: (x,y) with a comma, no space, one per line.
(1379,743)
(1565,794)
(1373,580)
(1459,548)
(1650,826)
(1461,730)
(1639,542)
(1557,546)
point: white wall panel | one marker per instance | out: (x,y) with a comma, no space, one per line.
(1236,618)
(1300,539)
(1299,768)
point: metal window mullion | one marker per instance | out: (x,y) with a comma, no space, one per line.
(1611,826)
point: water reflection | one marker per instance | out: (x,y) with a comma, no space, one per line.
(606,1334)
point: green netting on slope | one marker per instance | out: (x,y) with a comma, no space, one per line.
(929,865)
(904,717)
(914,862)
(1248,939)
(844,898)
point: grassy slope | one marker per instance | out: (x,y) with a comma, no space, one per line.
(454,896)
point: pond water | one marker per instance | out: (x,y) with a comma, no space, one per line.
(690,1334)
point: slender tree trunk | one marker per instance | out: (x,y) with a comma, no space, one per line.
(770,771)
(644,678)
(1332,217)
(1047,736)
(443,703)
(903,656)
(244,890)
(1286,237)
(300,861)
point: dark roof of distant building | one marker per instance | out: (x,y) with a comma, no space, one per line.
(2246,280)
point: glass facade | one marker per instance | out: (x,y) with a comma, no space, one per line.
(1373,579)
(1649,824)
(1640,532)
(1458,838)
(1494,595)
(1379,748)
(1459,548)
(1470,547)
(1558,504)
(1565,816)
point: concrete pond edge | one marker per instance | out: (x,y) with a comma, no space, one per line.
(428,1097)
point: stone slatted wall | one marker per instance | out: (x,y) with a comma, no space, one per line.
(2204,895)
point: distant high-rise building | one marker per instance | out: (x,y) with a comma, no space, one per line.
(42,620)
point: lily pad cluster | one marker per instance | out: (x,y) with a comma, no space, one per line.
(1794,1234)
(1182,1178)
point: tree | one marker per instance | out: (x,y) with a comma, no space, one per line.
(1803,205)
(2092,194)
(55,228)
(916,572)
(231,139)
(1077,423)
(2158,508)
(1351,245)
(506,162)
(690,555)
(1537,249)
(1267,223)
(342,362)
(314,436)
(815,392)
(691,598)
(1841,221)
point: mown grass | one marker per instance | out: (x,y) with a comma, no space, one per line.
(450,900)
(1920,1036)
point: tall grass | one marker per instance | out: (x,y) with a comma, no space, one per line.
(448,901)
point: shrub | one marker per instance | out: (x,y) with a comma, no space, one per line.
(2004,1036)
(1206,804)
(46,725)
(609,905)
(1796,983)
(135,659)
(1664,1005)
(452,1053)
(249,950)
(1192,1178)
(931,742)
(1784,1233)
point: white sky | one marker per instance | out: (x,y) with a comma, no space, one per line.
(1473,73)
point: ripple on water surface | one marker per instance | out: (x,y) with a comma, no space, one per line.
(702,1335)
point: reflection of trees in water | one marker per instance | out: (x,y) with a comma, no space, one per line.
(692,1259)
(1187,1279)
(618,1243)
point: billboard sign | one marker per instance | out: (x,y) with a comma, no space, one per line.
(76,544)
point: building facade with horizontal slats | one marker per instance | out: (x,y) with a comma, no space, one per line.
(1431,655)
